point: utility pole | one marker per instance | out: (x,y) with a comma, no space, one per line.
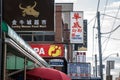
(99,45)
(95,65)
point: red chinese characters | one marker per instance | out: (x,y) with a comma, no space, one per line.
(76,28)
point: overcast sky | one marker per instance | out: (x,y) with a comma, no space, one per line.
(109,45)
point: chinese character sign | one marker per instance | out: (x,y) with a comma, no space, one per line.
(29,15)
(79,56)
(76,30)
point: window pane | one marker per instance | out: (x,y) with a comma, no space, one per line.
(49,37)
(38,38)
(27,37)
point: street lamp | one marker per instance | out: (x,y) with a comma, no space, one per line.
(110,65)
(117,54)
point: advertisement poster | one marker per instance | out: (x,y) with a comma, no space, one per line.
(79,70)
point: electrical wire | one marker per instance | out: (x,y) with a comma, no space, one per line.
(91,20)
(104,12)
(111,38)
(111,29)
(111,16)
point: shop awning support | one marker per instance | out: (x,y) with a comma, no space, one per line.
(17,40)
(18,71)
(25,63)
(4,60)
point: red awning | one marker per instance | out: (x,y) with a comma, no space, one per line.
(47,74)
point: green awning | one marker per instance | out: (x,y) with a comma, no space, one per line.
(4,27)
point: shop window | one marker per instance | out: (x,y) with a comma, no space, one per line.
(15,62)
(49,37)
(27,37)
(38,38)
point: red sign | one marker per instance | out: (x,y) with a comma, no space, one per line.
(49,50)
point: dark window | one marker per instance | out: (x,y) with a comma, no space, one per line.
(39,38)
(27,37)
(49,37)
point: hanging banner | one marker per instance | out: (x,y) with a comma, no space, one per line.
(49,50)
(76,27)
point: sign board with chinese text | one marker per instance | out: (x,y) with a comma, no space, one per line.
(49,50)
(76,27)
(79,70)
(29,15)
(79,56)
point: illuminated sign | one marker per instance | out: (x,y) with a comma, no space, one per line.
(24,15)
(49,50)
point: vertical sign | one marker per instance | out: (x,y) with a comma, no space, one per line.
(76,27)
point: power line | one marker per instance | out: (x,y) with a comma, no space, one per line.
(91,20)
(111,16)
(111,38)
(112,30)
(104,11)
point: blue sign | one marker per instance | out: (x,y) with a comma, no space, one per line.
(56,63)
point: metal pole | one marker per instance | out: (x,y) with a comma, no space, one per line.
(99,45)
(1,53)
(95,65)
(25,68)
(4,63)
(109,68)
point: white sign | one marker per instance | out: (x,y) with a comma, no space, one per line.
(79,56)
(76,27)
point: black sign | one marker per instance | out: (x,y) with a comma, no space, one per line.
(24,15)
(85,37)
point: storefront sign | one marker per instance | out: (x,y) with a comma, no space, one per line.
(76,30)
(49,50)
(79,56)
(79,70)
(29,15)
(56,62)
